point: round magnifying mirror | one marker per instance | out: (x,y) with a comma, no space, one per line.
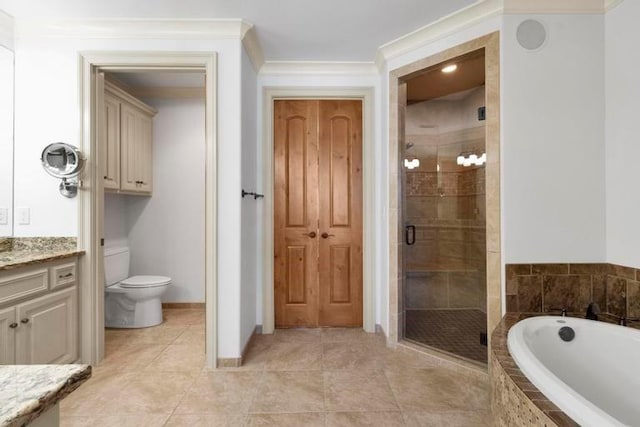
(62,160)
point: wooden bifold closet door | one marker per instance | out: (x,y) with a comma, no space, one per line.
(318,213)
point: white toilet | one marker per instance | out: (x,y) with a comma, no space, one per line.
(130,302)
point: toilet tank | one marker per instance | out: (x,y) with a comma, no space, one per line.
(116,265)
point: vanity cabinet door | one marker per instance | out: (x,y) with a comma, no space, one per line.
(47,329)
(8,327)
(110,145)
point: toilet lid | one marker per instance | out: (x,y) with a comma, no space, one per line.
(145,281)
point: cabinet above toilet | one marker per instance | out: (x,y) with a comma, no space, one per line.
(126,142)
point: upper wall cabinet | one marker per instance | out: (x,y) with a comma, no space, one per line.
(127,140)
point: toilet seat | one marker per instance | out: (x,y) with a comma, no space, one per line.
(145,281)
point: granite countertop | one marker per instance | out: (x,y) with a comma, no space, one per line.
(16,252)
(21,258)
(27,391)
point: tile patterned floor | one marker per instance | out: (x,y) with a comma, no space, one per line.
(312,377)
(454,331)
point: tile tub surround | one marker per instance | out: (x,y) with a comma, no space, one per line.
(535,288)
(34,250)
(294,377)
(515,401)
(28,391)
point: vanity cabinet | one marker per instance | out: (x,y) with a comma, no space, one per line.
(127,142)
(41,329)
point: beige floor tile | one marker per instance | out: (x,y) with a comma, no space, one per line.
(220,391)
(302,335)
(437,389)
(79,406)
(351,355)
(398,359)
(132,356)
(356,419)
(448,419)
(193,335)
(315,419)
(256,356)
(300,391)
(146,393)
(161,334)
(207,420)
(183,316)
(346,335)
(358,391)
(179,358)
(87,400)
(114,421)
(285,356)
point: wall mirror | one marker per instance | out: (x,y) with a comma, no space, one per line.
(64,161)
(6,141)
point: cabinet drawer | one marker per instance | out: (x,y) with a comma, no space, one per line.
(19,285)
(63,275)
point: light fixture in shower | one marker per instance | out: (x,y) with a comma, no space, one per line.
(469,159)
(411,164)
(449,68)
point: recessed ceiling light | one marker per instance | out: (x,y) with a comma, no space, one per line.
(450,68)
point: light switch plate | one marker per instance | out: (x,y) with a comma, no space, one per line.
(24,216)
(4,216)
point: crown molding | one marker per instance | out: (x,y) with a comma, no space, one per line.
(197,29)
(443,27)
(6,30)
(557,6)
(253,49)
(317,68)
(611,4)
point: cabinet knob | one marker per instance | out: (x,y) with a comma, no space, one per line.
(13,325)
(25,321)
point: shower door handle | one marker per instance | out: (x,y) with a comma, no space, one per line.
(410,234)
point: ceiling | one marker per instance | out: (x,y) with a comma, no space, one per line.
(433,83)
(288,30)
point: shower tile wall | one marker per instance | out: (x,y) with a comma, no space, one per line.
(445,268)
(538,288)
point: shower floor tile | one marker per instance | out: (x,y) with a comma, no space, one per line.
(453,331)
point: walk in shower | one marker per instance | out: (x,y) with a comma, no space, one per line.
(443,194)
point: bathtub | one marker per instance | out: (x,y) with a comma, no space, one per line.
(594,378)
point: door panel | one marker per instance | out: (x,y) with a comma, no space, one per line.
(295,213)
(48,329)
(318,212)
(340,214)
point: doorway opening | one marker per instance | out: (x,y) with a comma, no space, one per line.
(152,141)
(126,201)
(445,161)
(318,213)
(365,96)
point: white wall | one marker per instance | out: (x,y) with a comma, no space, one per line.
(47,71)
(166,231)
(116,221)
(553,142)
(622,93)
(250,255)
